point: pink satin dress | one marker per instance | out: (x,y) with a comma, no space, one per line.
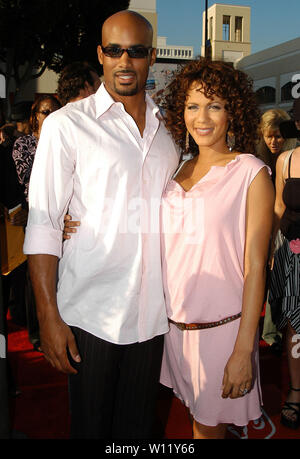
(203,239)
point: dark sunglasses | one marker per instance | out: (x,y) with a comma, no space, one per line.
(135,52)
(45,112)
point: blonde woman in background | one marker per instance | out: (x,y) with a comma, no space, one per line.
(270,146)
(272,143)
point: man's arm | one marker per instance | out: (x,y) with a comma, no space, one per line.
(56,336)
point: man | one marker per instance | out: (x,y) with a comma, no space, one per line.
(108,159)
(77,81)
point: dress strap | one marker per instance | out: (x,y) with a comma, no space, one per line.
(290,160)
(286,161)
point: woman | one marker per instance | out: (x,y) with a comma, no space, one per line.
(215,233)
(23,154)
(25,146)
(270,145)
(284,294)
(215,238)
(271,142)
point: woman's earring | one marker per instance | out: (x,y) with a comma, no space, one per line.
(230,140)
(187,141)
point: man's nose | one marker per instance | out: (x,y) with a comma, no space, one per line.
(125,57)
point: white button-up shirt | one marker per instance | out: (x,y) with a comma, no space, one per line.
(92,162)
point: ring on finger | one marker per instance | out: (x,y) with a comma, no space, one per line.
(243,391)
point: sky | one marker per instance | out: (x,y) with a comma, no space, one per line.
(272,21)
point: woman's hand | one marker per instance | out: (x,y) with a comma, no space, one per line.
(70,226)
(237,375)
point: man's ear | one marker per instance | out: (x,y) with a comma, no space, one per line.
(153,56)
(100,54)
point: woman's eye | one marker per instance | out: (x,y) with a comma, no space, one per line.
(192,107)
(215,107)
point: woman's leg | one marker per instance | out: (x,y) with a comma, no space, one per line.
(201,431)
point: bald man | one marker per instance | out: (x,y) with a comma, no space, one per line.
(106,158)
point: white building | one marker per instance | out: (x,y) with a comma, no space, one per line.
(165,51)
(275,73)
(228,32)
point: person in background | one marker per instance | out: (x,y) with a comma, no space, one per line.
(20,116)
(271,141)
(77,81)
(25,146)
(284,296)
(12,197)
(215,232)
(23,154)
(271,144)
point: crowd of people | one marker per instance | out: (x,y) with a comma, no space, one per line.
(124,302)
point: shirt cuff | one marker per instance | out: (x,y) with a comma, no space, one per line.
(41,239)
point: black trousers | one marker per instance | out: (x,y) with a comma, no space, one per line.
(114,393)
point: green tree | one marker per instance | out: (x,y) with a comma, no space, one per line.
(40,34)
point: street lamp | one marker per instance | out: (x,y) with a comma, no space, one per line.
(207,43)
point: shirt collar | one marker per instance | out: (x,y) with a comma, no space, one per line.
(104,102)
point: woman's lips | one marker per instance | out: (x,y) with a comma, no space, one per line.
(203,131)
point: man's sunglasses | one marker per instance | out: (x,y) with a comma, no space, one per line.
(135,52)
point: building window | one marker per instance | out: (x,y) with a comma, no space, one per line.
(266,95)
(226,28)
(238,28)
(286,92)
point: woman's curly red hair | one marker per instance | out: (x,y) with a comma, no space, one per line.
(231,85)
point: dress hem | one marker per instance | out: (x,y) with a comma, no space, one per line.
(210,424)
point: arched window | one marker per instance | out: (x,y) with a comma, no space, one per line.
(266,95)
(286,92)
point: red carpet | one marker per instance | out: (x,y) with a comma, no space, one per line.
(41,410)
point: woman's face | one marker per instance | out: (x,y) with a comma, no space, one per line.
(206,119)
(46,107)
(274,141)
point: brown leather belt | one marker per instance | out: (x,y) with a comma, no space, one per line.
(183,326)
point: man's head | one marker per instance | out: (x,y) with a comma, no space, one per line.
(77,81)
(126,72)
(20,115)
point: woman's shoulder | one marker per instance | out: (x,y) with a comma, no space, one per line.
(251,165)
(250,160)
(286,154)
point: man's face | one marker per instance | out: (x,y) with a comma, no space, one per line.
(124,75)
